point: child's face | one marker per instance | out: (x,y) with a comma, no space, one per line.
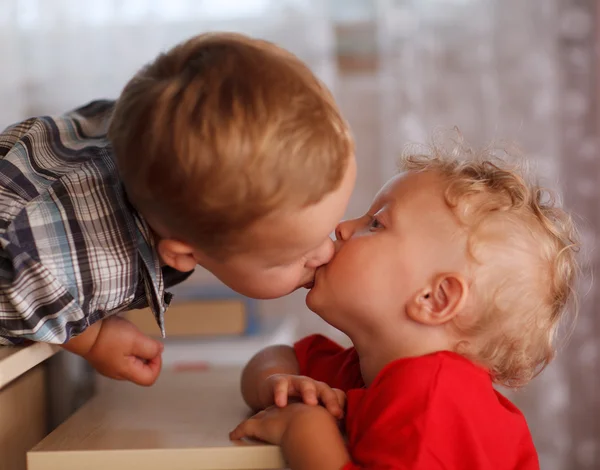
(287,247)
(408,236)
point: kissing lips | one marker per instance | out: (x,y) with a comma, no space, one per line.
(311,284)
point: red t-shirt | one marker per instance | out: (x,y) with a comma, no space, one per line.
(438,411)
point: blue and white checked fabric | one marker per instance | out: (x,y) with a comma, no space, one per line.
(72,248)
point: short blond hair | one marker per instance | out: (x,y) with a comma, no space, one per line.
(523,247)
(223,130)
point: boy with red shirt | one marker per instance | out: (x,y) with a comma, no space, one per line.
(454,280)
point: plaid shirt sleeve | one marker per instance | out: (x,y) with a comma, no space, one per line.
(72,249)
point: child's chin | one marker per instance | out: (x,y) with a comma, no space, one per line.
(312,301)
(317,301)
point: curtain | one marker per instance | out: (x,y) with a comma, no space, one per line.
(57,54)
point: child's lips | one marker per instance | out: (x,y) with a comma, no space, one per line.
(311,284)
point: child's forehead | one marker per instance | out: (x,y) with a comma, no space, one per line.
(415,202)
(412,189)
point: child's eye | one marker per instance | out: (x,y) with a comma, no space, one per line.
(374,224)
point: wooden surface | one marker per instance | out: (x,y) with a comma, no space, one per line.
(197,318)
(15,362)
(23,418)
(181,423)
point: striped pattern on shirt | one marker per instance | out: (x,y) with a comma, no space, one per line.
(72,248)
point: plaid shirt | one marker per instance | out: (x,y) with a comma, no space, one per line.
(72,248)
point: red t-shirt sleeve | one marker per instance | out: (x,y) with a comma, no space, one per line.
(326,361)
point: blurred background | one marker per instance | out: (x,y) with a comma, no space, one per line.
(522,70)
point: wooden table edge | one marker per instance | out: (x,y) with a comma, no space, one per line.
(244,457)
(23,359)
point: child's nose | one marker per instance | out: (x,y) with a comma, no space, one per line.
(344,230)
(321,255)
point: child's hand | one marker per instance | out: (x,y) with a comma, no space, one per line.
(279,387)
(271,424)
(123,352)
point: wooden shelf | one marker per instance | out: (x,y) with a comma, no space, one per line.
(14,362)
(181,423)
(199,318)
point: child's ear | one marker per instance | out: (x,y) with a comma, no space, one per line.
(440,301)
(178,255)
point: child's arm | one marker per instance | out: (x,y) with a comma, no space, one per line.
(271,377)
(117,349)
(313,442)
(270,361)
(82,343)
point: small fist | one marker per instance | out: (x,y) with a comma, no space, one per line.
(279,387)
(123,352)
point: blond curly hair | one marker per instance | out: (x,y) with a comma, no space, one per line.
(523,248)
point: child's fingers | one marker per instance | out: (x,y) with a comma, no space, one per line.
(154,365)
(330,400)
(143,372)
(341,397)
(280,392)
(240,432)
(248,428)
(145,347)
(308,391)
